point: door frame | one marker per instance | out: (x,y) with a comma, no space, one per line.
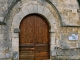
(20,15)
(48,25)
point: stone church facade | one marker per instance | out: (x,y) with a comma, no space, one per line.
(63,17)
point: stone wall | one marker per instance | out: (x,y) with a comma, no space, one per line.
(67,54)
(67,49)
(68,10)
(63,17)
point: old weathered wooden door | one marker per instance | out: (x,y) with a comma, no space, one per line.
(34,38)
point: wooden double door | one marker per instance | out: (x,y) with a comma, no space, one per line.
(34,38)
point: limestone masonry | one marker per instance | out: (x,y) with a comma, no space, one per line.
(64,19)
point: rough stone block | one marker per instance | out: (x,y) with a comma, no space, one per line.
(31,2)
(63,36)
(73,45)
(51,18)
(40,9)
(1,35)
(41,1)
(2,55)
(7,59)
(1,48)
(65,52)
(71,52)
(53,40)
(59,52)
(25,10)
(74,11)
(75,30)
(16,59)
(75,52)
(79,51)
(69,29)
(48,12)
(53,50)
(30,9)
(21,15)
(34,2)
(7,55)
(64,30)
(35,8)
(78,30)
(15,35)
(52,34)
(15,44)
(16,21)
(7,44)
(2,59)
(15,55)
(63,44)
(78,45)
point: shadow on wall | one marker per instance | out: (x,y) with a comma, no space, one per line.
(78,2)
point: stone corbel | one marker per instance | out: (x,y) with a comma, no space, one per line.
(16,30)
(51,31)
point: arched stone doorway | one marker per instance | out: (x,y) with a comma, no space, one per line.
(25,11)
(34,38)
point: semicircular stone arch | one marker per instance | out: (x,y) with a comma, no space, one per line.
(30,9)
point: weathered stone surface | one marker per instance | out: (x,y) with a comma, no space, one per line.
(15,44)
(75,30)
(1,35)
(15,35)
(1,19)
(15,55)
(30,9)
(35,8)
(69,29)
(68,6)
(59,35)
(7,44)
(2,55)
(73,45)
(29,2)
(63,44)
(59,52)
(24,10)
(40,9)
(78,45)
(53,50)
(78,30)
(7,55)
(41,1)
(48,12)
(21,15)
(16,20)
(53,40)
(64,37)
